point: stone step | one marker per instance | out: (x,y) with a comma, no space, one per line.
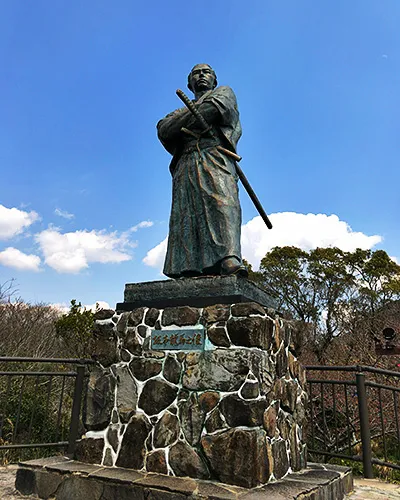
(64,479)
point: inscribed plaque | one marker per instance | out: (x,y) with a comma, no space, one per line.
(184,339)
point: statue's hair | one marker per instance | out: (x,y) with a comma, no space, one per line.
(201,64)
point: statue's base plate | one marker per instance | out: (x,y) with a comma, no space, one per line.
(197,292)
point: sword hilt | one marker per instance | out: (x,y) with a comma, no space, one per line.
(207,128)
(195,112)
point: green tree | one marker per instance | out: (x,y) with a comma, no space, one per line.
(375,303)
(332,292)
(378,279)
(283,273)
(76,329)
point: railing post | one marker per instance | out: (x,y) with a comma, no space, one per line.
(76,409)
(364,425)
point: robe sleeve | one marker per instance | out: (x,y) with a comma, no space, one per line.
(169,129)
(219,107)
(224,99)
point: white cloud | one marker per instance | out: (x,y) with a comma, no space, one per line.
(64,308)
(14,221)
(100,304)
(12,257)
(141,225)
(155,257)
(61,307)
(64,214)
(306,231)
(74,251)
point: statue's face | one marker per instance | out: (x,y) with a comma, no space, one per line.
(202,78)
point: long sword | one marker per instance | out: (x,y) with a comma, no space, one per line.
(192,108)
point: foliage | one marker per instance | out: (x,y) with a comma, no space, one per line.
(341,301)
(76,329)
(381,472)
(332,292)
(7,290)
(31,411)
(34,409)
(28,330)
(38,409)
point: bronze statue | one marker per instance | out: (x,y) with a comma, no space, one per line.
(204,229)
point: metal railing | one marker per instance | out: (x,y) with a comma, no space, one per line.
(355,417)
(40,407)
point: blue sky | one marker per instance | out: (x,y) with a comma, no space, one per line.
(85,189)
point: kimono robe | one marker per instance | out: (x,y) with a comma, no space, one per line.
(205,221)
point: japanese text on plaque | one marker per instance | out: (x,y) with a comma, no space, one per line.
(183,339)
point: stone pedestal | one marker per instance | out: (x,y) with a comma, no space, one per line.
(232,413)
(197,292)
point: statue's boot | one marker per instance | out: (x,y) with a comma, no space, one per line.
(232,265)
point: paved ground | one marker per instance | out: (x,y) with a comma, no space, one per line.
(373,489)
(366,489)
(7,479)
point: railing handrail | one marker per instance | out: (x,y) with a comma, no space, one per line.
(78,361)
(364,426)
(79,375)
(38,374)
(325,381)
(352,368)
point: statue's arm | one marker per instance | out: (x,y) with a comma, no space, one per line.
(217,108)
(224,100)
(169,128)
(209,112)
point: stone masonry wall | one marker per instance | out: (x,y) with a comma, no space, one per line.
(233,413)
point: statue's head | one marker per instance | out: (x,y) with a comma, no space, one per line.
(202,78)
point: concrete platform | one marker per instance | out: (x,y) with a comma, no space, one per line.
(64,479)
(197,292)
(374,489)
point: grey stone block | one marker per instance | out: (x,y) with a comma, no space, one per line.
(99,400)
(73,466)
(44,462)
(76,482)
(177,485)
(89,450)
(117,474)
(47,483)
(79,488)
(123,492)
(164,495)
(197,292)
(237,456)
(25,481)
